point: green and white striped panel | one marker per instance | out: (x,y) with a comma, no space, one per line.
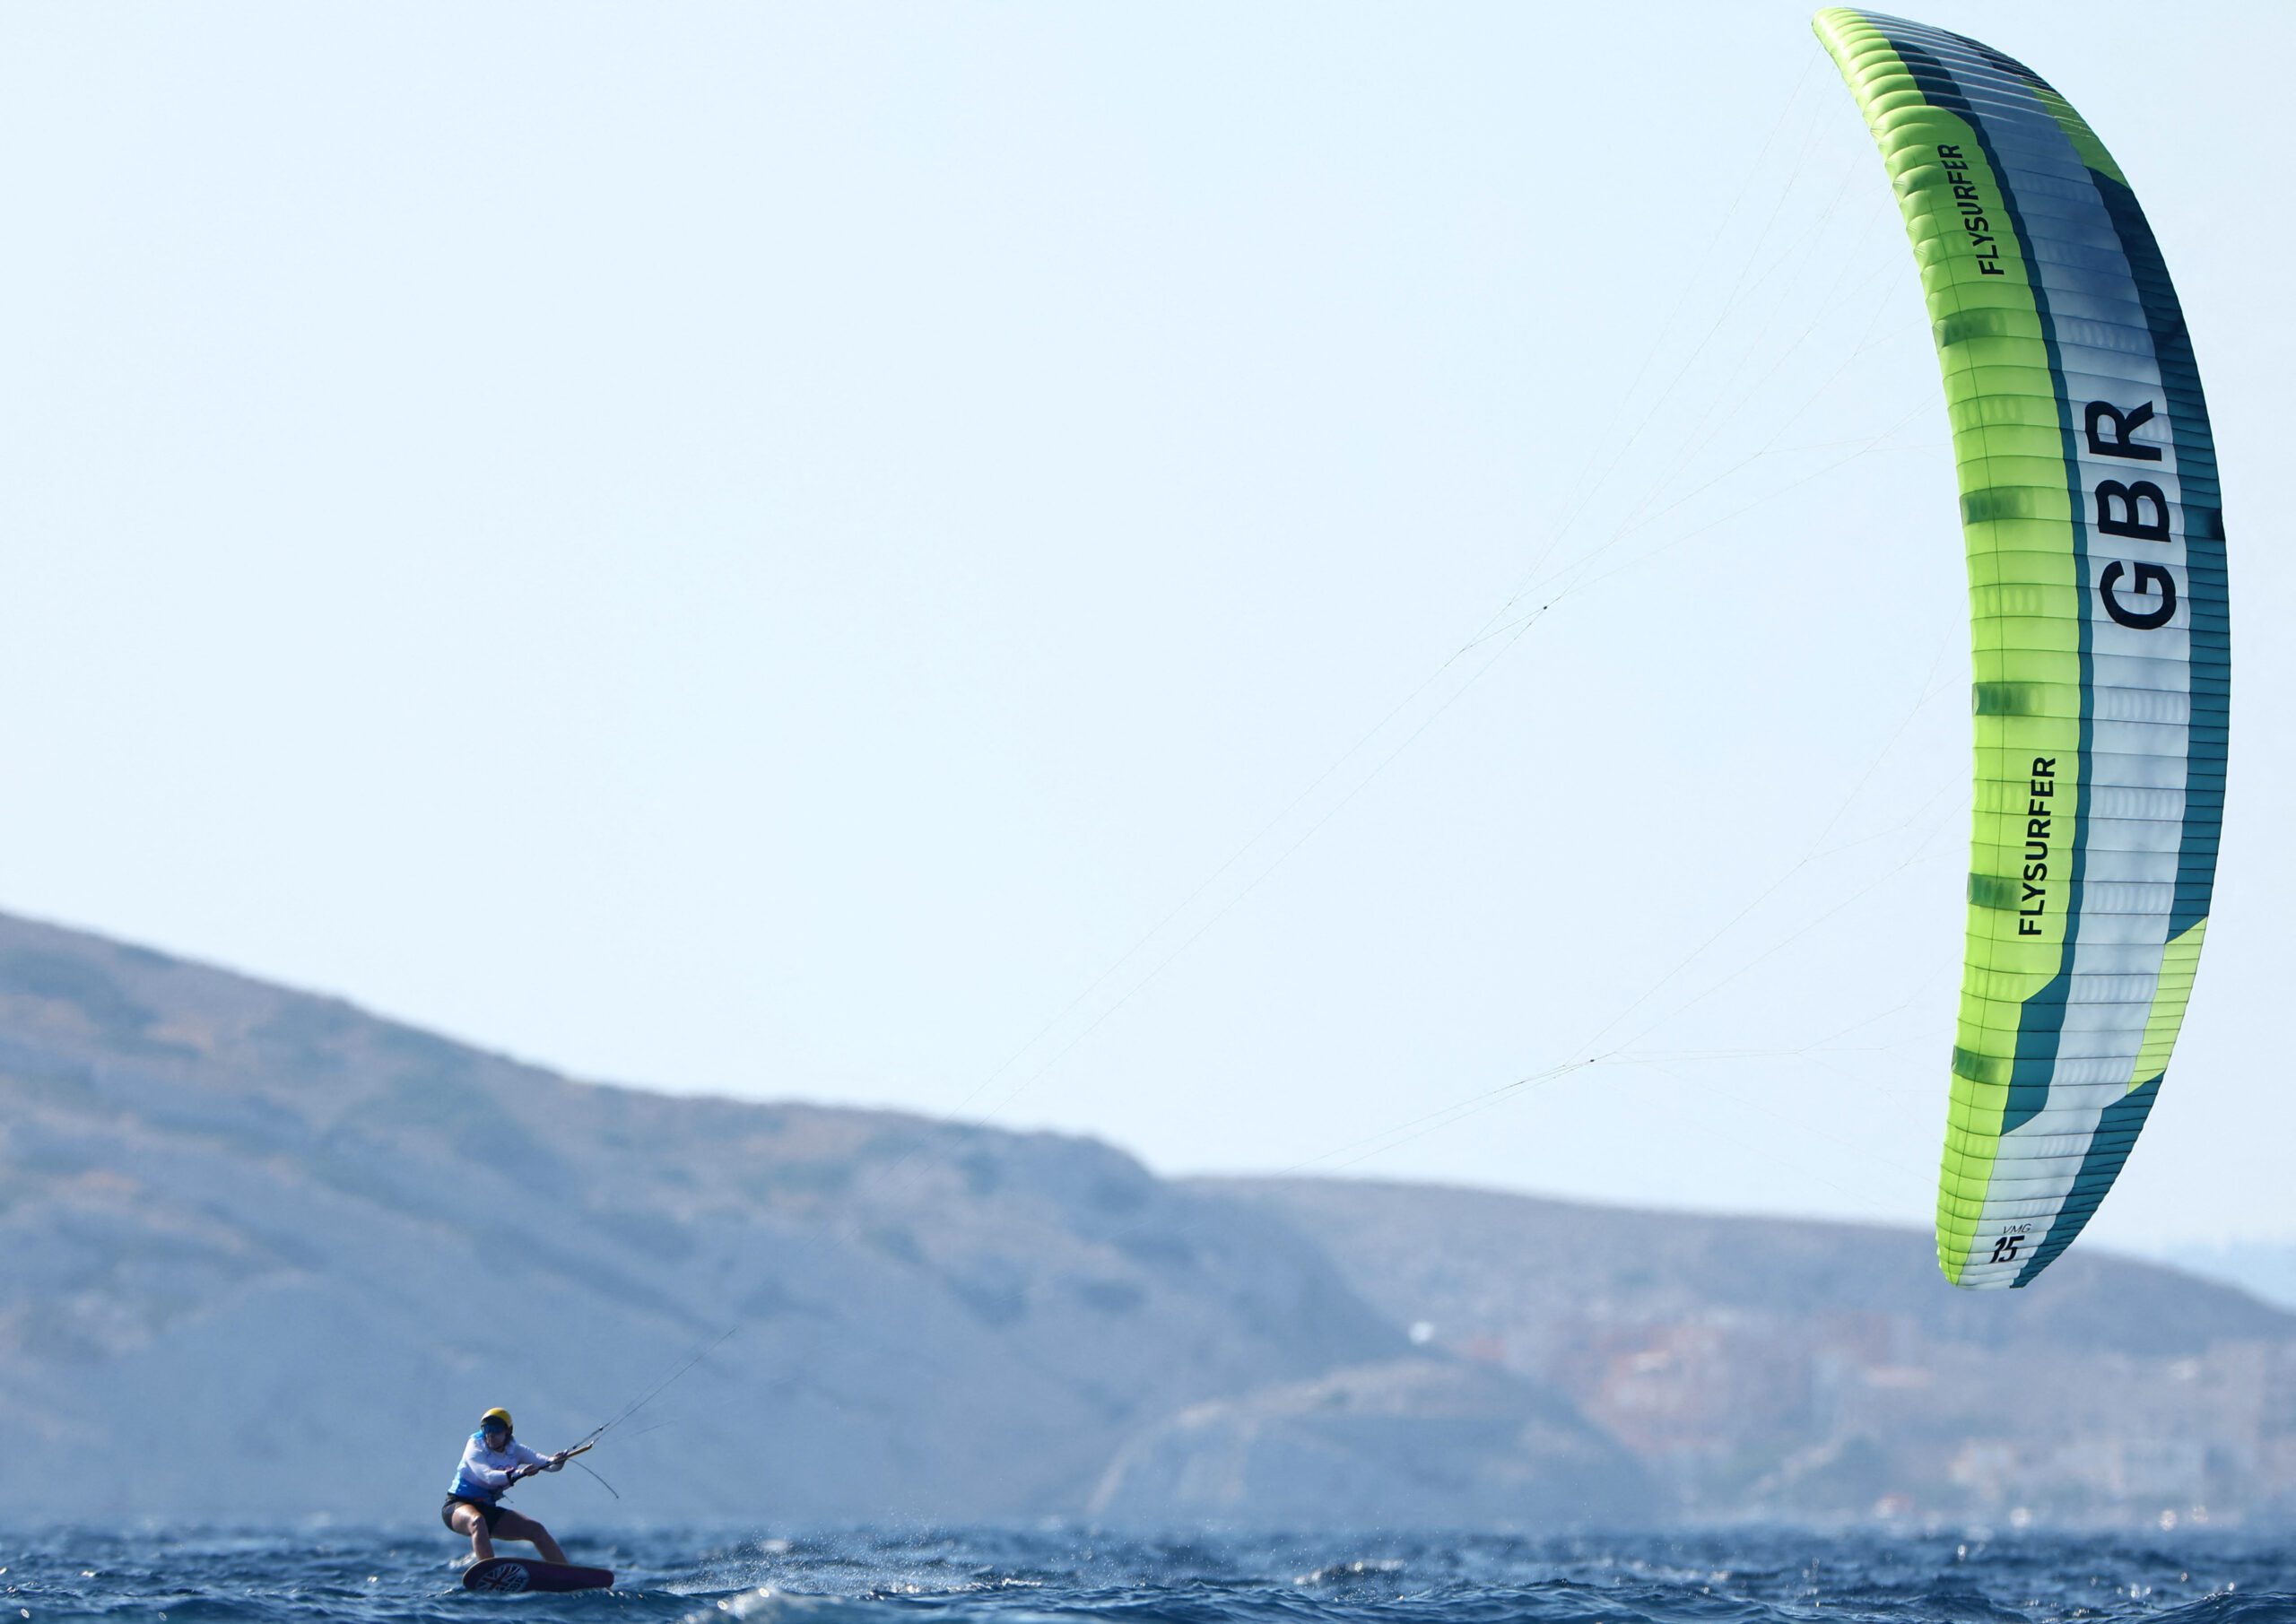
(2097,592)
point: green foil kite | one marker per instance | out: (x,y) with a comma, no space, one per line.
(2097,598)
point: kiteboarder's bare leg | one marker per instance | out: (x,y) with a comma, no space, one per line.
(467,1519)
(510,1525)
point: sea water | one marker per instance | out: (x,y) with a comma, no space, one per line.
(1075,1576)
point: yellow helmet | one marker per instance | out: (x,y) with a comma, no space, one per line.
(495,1415)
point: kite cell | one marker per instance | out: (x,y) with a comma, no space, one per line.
(2097,596)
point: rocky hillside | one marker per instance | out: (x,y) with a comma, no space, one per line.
(262,1255)
(1806,1370)
(1428,1442)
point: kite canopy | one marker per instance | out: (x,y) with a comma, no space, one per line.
(2096,598)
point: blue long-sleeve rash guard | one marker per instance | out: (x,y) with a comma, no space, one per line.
(484,1473)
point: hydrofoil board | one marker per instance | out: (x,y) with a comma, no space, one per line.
(513,1574)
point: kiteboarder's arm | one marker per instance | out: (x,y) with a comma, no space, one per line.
(478,1472)
(531,1460)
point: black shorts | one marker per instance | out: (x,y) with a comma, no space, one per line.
(492,1514)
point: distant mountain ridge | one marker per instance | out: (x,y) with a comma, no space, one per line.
(1823,1371)
(264,1255)
(279,1252)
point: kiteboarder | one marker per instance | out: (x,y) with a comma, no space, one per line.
(491,1462)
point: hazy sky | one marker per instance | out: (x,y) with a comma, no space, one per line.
(989,559)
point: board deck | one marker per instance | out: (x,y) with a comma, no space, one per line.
(515,1574)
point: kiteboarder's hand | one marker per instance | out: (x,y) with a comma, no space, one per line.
(557,1462)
